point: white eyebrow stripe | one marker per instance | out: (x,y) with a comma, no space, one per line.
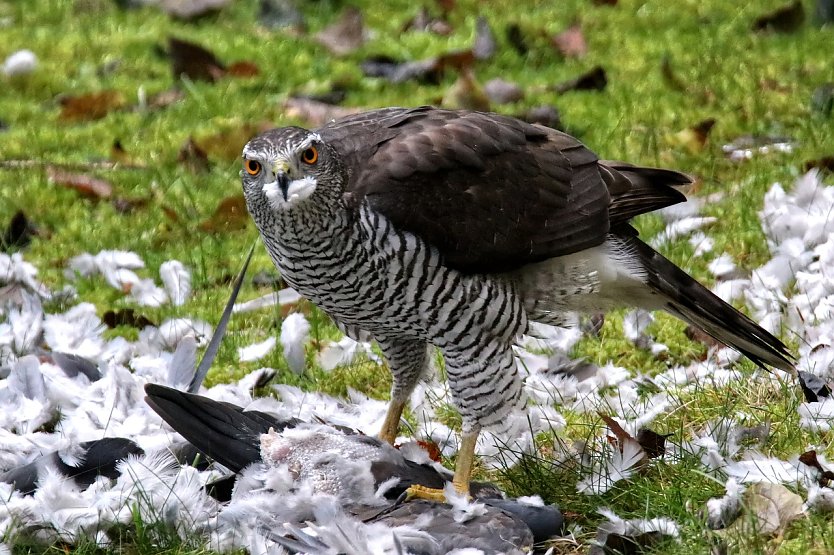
(308,142)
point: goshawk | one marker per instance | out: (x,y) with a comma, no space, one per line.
(457,229)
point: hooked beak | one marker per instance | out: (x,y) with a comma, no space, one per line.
(280,169)
(283,183)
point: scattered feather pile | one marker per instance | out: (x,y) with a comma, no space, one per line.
(60,372)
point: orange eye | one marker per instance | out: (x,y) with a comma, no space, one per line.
(252,167)
(310,155)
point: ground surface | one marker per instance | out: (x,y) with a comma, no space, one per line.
(750,83)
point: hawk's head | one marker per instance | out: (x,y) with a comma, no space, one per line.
(288,167)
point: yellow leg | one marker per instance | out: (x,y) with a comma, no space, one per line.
(463,471)
(391,425)
(463,464)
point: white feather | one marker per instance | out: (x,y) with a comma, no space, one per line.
(295,330)
(177,281)
(256,351)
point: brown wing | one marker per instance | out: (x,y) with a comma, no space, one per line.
(492,193)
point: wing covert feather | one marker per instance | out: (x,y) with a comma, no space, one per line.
(492,193)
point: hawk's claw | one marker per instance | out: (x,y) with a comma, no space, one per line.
(433,494)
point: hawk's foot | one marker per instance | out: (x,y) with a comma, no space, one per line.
(433,494)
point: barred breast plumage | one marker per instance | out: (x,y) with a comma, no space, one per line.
(454,229)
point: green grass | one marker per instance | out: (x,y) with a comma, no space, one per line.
(750,83)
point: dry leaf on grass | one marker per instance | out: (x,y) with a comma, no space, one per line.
(515,36)
(228,143)
(345,35)
(126,317)
(592,80)
(243,69)
(669,76)
(86,185)
(826,164)
(466,94)
(811,459)
(18,233)
(694,138)
(93,106)
(313,112)
(230,215)
(428,71)
(193,61)
(653,443)
(193,157)
(571,42)
(770,508)
(423,21)
(786,19)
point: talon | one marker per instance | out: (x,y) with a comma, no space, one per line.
(422,492)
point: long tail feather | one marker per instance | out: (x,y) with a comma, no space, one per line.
(693,303)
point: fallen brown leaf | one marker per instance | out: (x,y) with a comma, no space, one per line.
(165,98)
(466,94)
(193,61)
(230,215)
(772,506)
(446,6)
(313,112)
(786,19)
(571,42)
(193,157)
(345,35)
(669,76)
(826,163)
(228,143)
(423,21)
(653,443)
(809,458)
(126,317)
(621,435)
(243,69)
(18,233)
(428,71)
(118,153)
(592,80)
(91,106)
(694,138)
(516,39)
(125,205)
(700,336)
(86,185)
